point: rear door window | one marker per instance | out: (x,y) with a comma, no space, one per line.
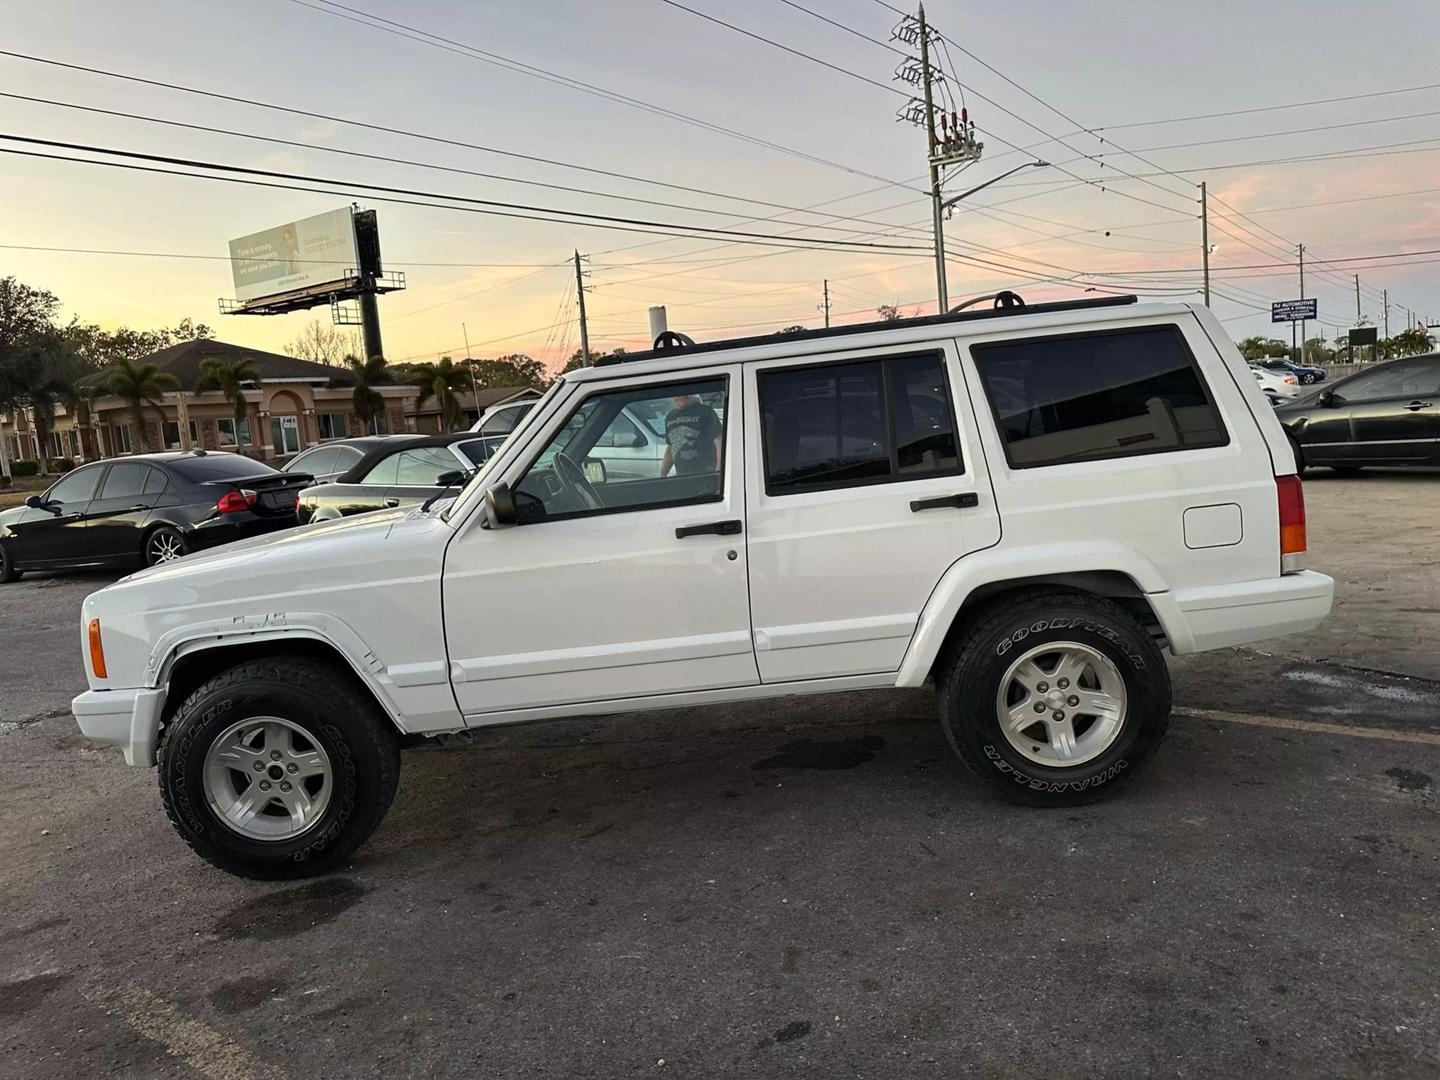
(1089,397)
(836,425)
(128,480)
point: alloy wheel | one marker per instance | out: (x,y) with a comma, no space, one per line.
(267,779)
(165,547)
(1061,704)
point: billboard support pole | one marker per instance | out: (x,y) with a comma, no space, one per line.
(370,320)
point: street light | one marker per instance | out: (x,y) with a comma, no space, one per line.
(948,203)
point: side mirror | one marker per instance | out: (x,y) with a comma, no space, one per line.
(626,440)
(34,502)
(594,470)
(1327,399)
(500,507)
(450,479)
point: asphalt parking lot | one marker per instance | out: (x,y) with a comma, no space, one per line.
(810,887)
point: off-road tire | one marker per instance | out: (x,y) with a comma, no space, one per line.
(335,714)
(8,573)
(970,683)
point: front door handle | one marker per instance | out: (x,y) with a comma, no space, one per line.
(713,528)
(1416,406)
(137,508)
(390,504)
(959,502)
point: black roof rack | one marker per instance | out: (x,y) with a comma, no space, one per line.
(868,327)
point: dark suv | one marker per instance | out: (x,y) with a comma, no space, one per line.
(146,509)
(1388,414)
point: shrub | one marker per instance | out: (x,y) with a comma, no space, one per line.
(61,464)
(25,468)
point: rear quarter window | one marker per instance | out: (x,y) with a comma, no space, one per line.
(1094,396)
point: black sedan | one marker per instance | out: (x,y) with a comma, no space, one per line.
(1388,414)
(400,471)
(146,509)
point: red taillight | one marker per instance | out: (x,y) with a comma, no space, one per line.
(236,502)
(1292,523)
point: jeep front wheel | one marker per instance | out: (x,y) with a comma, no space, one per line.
(278,768)
(1056,698)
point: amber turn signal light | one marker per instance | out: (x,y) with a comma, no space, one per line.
(97,650)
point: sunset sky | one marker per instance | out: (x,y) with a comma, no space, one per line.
(1135,69)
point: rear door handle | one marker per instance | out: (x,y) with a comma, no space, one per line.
(137,508)
(1416,406)
(958,502)
(713,528)
(390,504)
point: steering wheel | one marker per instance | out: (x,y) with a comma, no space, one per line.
(573,477)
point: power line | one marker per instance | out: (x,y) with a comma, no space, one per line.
(1265,108)
(786,48)
(230,258)
(403,132)
(476,205)
(425,37)
(321,147)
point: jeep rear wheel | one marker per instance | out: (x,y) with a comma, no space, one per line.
(278,768)
(1056,698)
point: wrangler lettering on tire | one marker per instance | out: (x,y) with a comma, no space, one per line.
(1055,697)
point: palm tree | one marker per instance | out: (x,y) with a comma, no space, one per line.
(139,385)
(229,376)
(441,381)
(365,401)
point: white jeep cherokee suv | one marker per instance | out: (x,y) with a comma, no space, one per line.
(1022,506)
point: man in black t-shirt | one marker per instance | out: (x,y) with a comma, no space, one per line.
(692,438)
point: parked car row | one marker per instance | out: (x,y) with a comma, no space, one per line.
(154,508)
(1305,374)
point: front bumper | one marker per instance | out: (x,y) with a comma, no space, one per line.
(129,719)
(1218,616)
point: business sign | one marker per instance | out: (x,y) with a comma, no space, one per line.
(1364,335)
(299,255)
(1292,310)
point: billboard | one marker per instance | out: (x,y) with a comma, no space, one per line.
(1292,310)
(298,255)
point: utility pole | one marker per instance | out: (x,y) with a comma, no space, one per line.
(1205,239)
(1386,294)
(1302,297)
(937,212)
(584,329)
(825,307)
(1357,299)
(470,362)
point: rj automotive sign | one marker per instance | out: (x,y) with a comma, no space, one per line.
(1292,310)
(314,251)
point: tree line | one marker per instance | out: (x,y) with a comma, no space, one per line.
(1411,341)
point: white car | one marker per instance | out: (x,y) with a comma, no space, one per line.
(503,419)
(1276,385)
(1020,507)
